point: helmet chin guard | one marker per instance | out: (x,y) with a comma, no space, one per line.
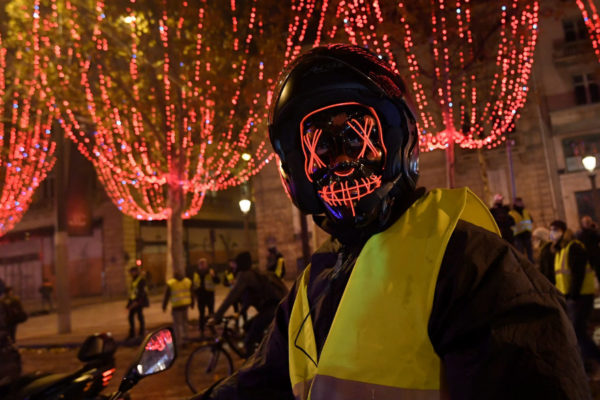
(345,137)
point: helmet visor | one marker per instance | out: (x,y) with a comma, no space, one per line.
(338,137)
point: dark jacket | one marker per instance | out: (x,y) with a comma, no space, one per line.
(141,296)
(250,288)
(498,326)
(504,221)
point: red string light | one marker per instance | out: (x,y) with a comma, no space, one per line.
(460,99)
(28,110)
(162,121)
(589,12)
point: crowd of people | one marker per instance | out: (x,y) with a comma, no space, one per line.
(248,287)
(569,259)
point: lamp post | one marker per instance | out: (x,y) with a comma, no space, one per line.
(589,163)
(245,205)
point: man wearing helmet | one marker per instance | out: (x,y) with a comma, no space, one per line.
(415,295)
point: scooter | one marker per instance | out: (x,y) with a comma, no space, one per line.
(157,353)
(97,354)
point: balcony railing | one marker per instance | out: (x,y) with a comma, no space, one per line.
(569,53)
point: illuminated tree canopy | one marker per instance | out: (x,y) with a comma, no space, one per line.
(589,12)
(467,61)
(165,98)
(26,114)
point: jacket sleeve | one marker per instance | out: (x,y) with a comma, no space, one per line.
(499,326)
(265,376)
(234,295)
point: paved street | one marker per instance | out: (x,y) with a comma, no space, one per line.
(108,316)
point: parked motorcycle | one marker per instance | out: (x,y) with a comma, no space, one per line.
(97,354)
(157,353)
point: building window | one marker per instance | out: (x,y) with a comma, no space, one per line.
(574,29)
(575,148)
(586,89)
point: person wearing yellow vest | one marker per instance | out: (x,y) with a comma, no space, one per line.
(204,282)
(575,279)
(136,301)
(179,293)
(276,262)
(522,228)
(415,295)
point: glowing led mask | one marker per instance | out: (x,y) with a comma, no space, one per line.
(344,155)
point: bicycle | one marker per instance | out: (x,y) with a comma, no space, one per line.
(211,361)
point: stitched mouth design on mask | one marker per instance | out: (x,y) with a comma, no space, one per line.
(347,193)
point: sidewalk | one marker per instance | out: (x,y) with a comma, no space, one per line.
(100,316)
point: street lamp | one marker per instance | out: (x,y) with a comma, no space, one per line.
(245,205)
(589,163)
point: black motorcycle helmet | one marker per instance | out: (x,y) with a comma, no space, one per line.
(334,75)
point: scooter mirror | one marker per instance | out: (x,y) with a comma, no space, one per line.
(157,353)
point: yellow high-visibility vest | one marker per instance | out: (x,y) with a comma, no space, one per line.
(378,345)
(562,272)
(180,292)
(133,287)
(279,267)
(209,284)
(523,223)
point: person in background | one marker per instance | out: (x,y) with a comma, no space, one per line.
(539,238)
(276,262)
(522,228)
(501,215)
(179,293)
(137,301)
(590,237)
(574,278)
(10,358)
(252,289)
(414,295)
(46,292)
(228,281)
(204,283)
(16,313)
(229,274)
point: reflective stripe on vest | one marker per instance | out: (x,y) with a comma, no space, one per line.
(378,343)
(523,223)
(133,287)
(180,292)
(562,272)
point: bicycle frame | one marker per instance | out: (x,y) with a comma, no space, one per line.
(228,337)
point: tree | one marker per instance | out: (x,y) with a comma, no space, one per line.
(589,12)
(467,62)
(168,100)
(26,114)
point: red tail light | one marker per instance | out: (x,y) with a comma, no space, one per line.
(107,376)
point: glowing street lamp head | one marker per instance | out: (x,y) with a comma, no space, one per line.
(589,163)
(245,205)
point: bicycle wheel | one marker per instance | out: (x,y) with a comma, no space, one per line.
(206,365)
